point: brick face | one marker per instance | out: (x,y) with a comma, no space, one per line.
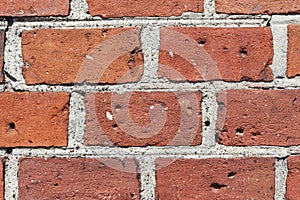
(259,117)
(2,35)
(257,6)
(78,178)
(230,54)
(55,56)
(293,178)
(124,8)
(20,8)
(143,119)
(293,64)
(239,178)
(30,119)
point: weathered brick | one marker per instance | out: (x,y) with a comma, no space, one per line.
(293,64)
(31,119)
(257,6)
(1,53)
(259,117)
(78,178)
(230,54)
(293,178)
(143,119)
(239,178)
(124,8)
(20,8)
(56,56)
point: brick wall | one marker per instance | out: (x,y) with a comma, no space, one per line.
(181,99)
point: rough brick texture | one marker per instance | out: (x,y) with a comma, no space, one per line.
(257,6)
(1,53)
(230,54)
(143,119)
(56,56)
(30,119)
(78,178)
(293,65)
(293,178)
(20,8)
(259,117)
(125,8)
(240,178)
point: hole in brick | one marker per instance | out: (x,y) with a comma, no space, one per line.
(55,184)
(118,106)
(104,32)
(136,50)
(231,174)
(246,78)
(202,42)
(221,106)
(12,125)
(256,133)
(294,100)
(225,49)
(163,104)
(240,131)
(30,141)
(115,125)
(217,185)
(243,52)
(130,62)
(207,123)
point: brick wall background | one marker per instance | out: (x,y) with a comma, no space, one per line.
(181,99)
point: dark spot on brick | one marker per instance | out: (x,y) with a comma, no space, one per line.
(12,125)
(217,185)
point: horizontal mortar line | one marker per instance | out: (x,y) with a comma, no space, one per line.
(168,151)
(294,150)
(132,22)
(285,19)
(163,86)
(185,16)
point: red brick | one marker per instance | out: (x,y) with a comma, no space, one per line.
(293,178)
(293,65)
(124,8)
(1,53)
(259,117)
(125,120)
(230,54)
(31,119)
(56,56)
(257,6)
(21,8)
(78,178)
(239,178)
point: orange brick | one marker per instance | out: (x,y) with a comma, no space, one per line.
(124,8)
(20,8)
(31,119)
